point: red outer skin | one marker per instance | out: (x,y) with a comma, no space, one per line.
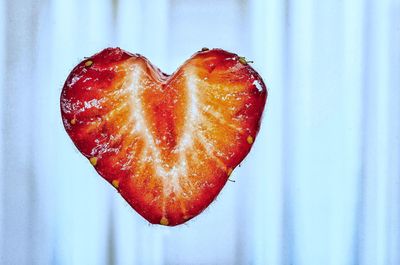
(167,143)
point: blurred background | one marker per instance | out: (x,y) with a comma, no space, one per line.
(320,186)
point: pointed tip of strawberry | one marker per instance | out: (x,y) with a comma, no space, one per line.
(164,221)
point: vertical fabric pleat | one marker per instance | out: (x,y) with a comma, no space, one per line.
(19,212)
(378,214)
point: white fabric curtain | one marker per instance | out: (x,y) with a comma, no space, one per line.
(321,185)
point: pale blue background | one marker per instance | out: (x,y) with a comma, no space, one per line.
(321,185)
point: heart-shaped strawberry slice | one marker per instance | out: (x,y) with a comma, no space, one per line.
(167,143)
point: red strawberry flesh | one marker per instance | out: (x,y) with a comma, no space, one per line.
(167,143)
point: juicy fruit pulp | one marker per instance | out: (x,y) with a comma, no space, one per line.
(167,143)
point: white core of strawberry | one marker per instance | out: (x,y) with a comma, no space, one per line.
(192,115)
(170,176)
(135,88)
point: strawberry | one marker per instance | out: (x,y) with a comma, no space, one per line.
(167,143)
